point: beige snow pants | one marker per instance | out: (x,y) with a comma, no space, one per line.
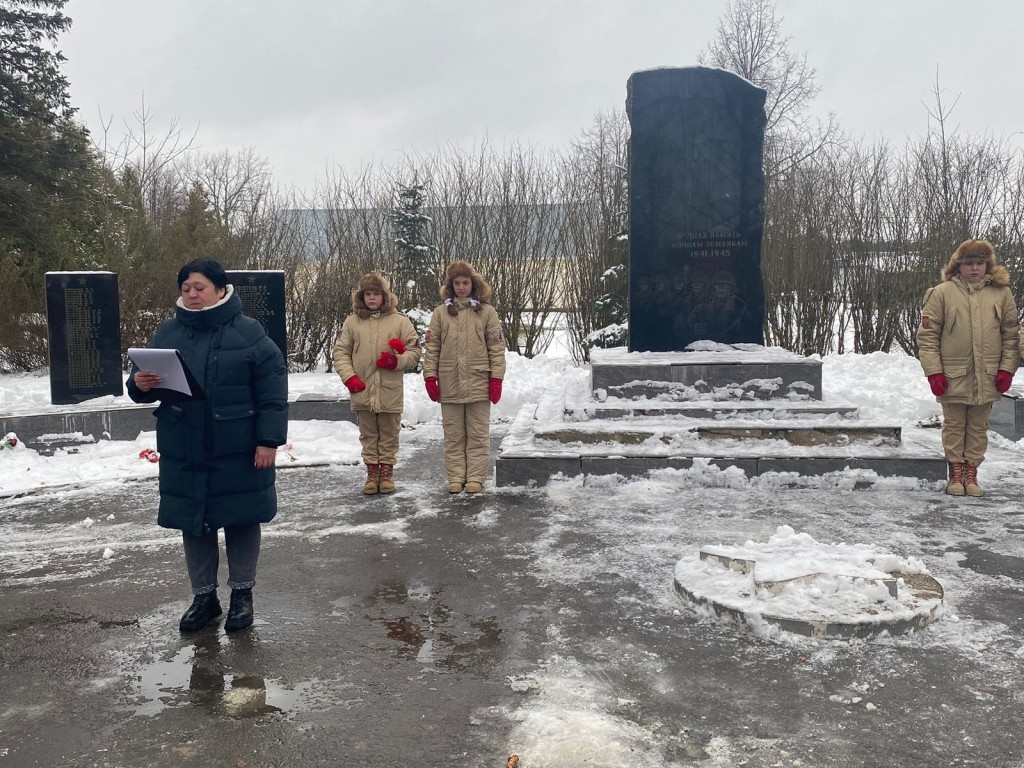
(378,436)
(965,432)
(467,440)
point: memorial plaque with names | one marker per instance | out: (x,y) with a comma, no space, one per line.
(262,294)
(696,187)
(83,318)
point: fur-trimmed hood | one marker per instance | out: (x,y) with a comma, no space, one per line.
(377,282)
(977,249)
(481,290)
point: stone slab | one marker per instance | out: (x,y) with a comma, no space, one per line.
(45,432)
(695,215)
(83,320)
(529,471)
(628,466)
(511,470)
(1007,417)
(799,433)
(930,468)
(310,407)
(682,380)
(749,466)
(262,293)
(818,629)
(781,410)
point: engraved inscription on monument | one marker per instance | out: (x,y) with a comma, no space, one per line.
(262,295)
(84,331)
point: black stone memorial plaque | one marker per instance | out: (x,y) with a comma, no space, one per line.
(696,186)
(83,319)
(262,294)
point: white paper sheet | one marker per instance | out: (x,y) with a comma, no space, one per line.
(166,363)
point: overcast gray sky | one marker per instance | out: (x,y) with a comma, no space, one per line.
(313,84)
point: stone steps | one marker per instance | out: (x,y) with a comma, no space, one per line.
(706,409)
(754,373)
(760,411)
(793,432)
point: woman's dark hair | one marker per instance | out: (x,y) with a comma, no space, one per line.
(208,268)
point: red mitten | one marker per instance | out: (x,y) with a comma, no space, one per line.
(938,382)
(355,384)
(1003,381)
(397,345)
(494,390)
(387,360)
(433,388)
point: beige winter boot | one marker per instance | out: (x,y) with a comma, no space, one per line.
(971,480)
(955,486)
(371,485)
(387,478)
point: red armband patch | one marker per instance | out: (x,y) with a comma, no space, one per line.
(925,321)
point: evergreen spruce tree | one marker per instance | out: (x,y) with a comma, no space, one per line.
(50,180)
(612,307)
(416,277)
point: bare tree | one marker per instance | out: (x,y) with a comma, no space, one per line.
(594,221)
(237,185)
(151,154)
(800,259)
(498,211)
(749,41)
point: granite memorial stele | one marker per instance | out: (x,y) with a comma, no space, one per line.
(83,318)
(695,222)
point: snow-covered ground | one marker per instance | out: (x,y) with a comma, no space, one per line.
(632,531)
(887,388)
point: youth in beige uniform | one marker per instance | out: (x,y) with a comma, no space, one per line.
(463,368)
(375,348)
(969,347)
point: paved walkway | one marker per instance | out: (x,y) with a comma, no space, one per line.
(425,629)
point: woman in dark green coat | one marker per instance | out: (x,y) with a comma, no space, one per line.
(217,454)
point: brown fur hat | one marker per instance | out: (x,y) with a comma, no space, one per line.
(373,281)
(481,290)
(976,249)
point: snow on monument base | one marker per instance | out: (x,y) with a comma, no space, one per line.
(795,584)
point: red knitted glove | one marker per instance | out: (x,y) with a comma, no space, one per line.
(387,360)
(355,384)
(1003,381)
(433,388)
(397,346)
(494,390)
(938,382)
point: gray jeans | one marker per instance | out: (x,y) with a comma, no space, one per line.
(202,558)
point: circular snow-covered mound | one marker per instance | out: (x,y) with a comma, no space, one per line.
(796,584)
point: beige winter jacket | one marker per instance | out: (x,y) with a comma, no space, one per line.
(970,333)
(464,351)
(357,349)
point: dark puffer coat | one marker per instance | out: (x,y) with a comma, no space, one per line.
(207,447)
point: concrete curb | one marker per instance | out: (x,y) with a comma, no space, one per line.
(45,432)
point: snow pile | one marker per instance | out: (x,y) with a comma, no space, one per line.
(793,578)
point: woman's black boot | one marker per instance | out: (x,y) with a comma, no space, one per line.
(204,609)
(240,610)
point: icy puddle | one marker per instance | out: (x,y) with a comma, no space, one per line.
(190,676)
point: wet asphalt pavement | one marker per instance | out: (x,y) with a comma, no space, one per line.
(423,629)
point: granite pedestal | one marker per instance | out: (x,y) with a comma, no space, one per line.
(757,409)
